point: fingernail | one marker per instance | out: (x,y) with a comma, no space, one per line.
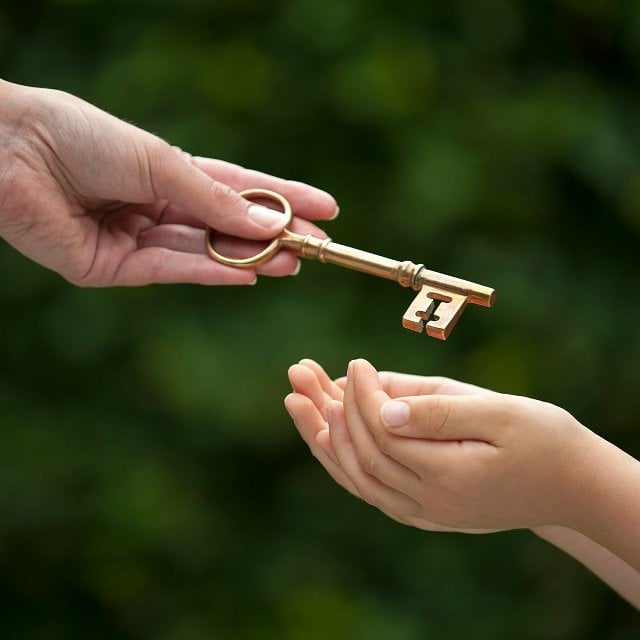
(264,216)
(335,214)
(296,271)
(395,413)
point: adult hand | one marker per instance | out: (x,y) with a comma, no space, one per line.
(103,203)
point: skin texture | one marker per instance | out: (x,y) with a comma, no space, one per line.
(443,455)
(102,202)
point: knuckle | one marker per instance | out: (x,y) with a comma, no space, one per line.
(153,157)
(383,441)
(224,197)
(368,464)
(437,415)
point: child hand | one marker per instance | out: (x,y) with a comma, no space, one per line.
(464,458)
(315,392)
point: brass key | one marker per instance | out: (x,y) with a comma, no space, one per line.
(441,298)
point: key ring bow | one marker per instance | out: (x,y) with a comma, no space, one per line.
(272,248)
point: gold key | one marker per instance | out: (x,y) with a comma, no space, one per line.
(441,298)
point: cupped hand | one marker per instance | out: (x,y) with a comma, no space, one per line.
(441,454)
(316,400)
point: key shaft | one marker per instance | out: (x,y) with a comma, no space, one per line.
(406,273)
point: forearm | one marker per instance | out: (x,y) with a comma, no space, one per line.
(619,575)
(611,514)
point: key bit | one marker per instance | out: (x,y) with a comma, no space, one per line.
(435,310)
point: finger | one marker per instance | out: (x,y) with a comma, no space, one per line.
(177,237)
(421,450)
(404,384)
(433,417)
(369,488)
(442,417)
(309,422)
(177,180)
(313,429)
(333,391)
(364,398)
(186,239)
(164,266)
(172,214)
(304,380)
(306,201)
(372,458)
(283,263)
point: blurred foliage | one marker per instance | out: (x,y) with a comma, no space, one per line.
(151,484)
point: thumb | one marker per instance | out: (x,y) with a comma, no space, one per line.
(441,417)
(177,180)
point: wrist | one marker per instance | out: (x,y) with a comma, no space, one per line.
(588,454)
(569,471)
(608,501)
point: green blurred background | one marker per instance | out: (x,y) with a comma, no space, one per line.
(151,483)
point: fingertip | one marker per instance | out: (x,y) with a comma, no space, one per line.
(265,217)
(292,374)
(363,365)
(316,369)
(312,202)
(364,374)
(355,365)
(299,369)
(289,402)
